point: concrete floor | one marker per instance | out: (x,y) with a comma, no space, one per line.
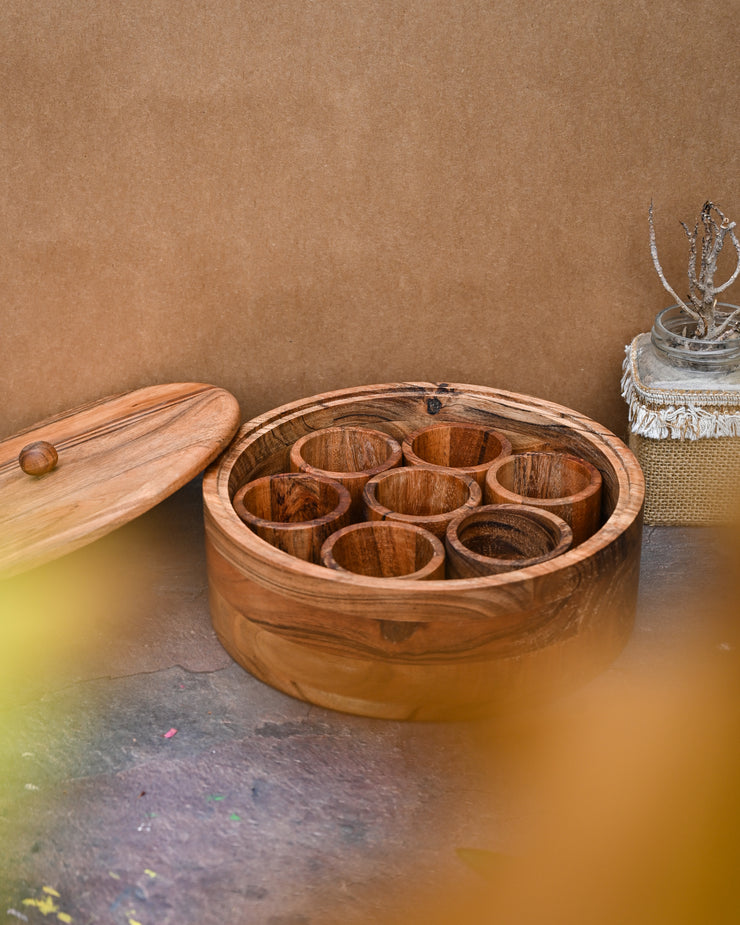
(259,808)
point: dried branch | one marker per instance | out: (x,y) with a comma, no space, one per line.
(717,233)
(731,280)
(707,238)
(693,281)
(726,323)
(702,290)
(659,269)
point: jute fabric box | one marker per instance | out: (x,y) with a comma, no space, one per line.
(685,432)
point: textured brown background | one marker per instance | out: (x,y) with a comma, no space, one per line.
(285,198)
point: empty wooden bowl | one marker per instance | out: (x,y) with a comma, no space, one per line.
(385,549)
(558,482)
(294,512)
(501,537)
(351,455)
(420,495)
(470,448)
(397,648)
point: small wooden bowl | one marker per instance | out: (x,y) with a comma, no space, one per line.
(558,482)
(350,455)
(501,537)
(469,448)
(294,511)
(420,495)
(386,549)
(433,650)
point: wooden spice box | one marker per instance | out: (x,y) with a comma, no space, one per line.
(404,649)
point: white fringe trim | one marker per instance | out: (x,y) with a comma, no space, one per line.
(674,420)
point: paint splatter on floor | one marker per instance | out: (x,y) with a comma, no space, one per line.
(47,905)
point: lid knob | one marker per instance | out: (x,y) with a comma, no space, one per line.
(38,458)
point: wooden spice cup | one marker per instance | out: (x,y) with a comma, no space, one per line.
(385,549)
(501,537)
(420,495)
(351,455)
(294,511)
(470,448)
(562,484)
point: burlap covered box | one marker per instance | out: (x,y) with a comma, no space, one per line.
(685,432)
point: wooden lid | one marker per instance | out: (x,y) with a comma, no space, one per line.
(117,458)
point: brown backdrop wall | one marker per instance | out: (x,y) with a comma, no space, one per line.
(285,198)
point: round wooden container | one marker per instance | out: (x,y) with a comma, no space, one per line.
(350,455)
(498,537)
(432,650)
(469,448)
(420,495)
(558,482)
(294,511)
(385,549)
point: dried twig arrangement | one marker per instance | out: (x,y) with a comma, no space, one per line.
(702,291)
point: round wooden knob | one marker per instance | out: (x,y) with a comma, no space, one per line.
(38,458)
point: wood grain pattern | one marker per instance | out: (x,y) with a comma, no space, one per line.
(469,448)
(424,650)
(349,454)
(38,458)
(386,549)
(557,482)
(118,457)
(495,538)
(294,511)
(420,495)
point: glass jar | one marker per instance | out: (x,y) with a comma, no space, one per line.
(671,337)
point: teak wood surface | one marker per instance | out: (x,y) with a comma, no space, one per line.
(386,549)
(349,454)
(496,538)
(398,648)
(118,457)
(420,495)
(557,482)
(294,511)
(469,448)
